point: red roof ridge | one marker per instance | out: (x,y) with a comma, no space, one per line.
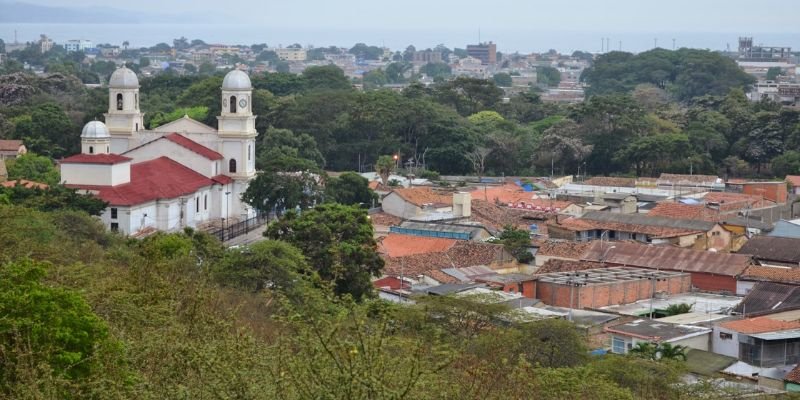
(108,159)
(193,146)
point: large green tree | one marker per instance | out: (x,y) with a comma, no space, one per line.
(339,244)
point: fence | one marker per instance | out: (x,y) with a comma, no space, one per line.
(240,228)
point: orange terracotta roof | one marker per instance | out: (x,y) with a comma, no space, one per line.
(793,375)
(385,219)
(508,193)
(574,250)
(461,255)
(684,211)
(420,196)
(772,274)
(496,217)
(556,265)
(441,277)
(28,184)
(397,245)
(760,325)
(658,232)
(732,201)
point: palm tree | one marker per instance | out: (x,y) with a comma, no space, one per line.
(667,351)
(384,168)
(125,45)
(644,350)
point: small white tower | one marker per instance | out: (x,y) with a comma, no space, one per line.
(124,119)
(237,126)
(95,138)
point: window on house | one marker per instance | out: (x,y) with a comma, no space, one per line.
(114,227)
(233,104)
(137,127)
(725,335)
(249,148)
(113,213)
(108,149)
(119,101)
(205,202)
(136,100)
(232,166)
(617,345)
(91,150)
(196,204)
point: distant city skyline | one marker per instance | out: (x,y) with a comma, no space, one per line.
(778,16)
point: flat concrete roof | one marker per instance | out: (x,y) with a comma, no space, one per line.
(604,276)
(652,329)
(703,303)
(692,318)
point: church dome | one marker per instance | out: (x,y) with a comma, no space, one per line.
(95,130)
(124,78)
(236,80)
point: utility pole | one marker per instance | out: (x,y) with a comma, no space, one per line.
(673,44)
(655,43)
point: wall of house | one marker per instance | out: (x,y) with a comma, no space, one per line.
(528,289)
(594,296)
(96,174)
(184,156)
(142,216)
(776,192)
(713,283)
(726,347)
(395,205)
(699,342)
(744,287)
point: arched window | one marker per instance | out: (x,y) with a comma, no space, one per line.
(91,149)
(119,101)
(232,166)
(197,204)
(137,127)
(108,149)
(249,149)
(205,202)
(233,104)
(136,100)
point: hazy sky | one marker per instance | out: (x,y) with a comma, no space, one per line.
(736,16)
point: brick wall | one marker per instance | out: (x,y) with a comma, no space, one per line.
(624,292)
(713,283)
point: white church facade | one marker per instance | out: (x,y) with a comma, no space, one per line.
(181,174)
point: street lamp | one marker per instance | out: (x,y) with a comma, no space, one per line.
(227,215)
(653,277)
(573,282)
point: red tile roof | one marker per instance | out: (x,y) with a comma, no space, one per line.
(658,232)
(669,258)
(193,146)
(10,145)
(562,249)
(28,184)
(382,218)
(462,254)
(729,201)
(557,265)
(760,325)
(793,375)
(222,179)
(684,211)
(108,159)
(398,245)
(161,178)
(772,274)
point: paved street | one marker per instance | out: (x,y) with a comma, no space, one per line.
(251,237)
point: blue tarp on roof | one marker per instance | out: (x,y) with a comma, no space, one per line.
(527,187)
(689,201)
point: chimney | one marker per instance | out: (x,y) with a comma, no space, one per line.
(462,204)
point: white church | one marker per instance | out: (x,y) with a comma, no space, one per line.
(181,174)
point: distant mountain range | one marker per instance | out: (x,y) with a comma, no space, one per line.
(17,12)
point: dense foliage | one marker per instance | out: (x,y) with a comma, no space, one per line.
(91,315)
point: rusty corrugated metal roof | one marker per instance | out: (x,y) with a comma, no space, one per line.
(668,258)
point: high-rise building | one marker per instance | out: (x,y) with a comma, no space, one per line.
(427,56)
(78,45)
(486,52)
